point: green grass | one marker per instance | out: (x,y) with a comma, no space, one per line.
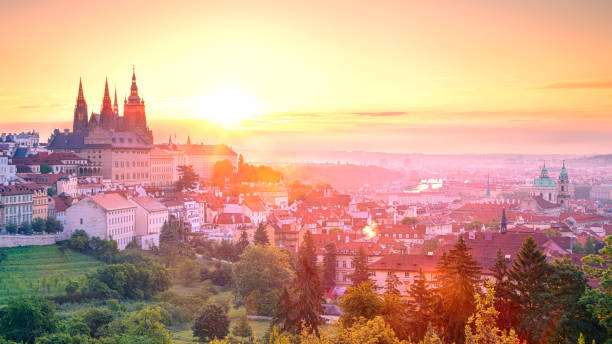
(41,270)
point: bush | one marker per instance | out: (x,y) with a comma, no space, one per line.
(211,323)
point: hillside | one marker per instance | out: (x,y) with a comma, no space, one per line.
(41,269)
(340,176)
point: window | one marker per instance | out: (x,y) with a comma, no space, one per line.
(81,220)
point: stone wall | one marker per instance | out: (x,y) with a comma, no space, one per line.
(32,240)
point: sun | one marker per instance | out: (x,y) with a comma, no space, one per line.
(228,106)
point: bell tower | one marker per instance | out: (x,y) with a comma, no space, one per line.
(563,194)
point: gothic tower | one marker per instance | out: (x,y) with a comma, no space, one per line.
(488,187)
(80,112)
(563,194)
(115,105)
(107,115)
(134,110)
(503,225)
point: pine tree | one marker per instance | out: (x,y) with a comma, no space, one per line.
(243,242)
(360,262)
(261,236)
(503,300)
(242,328)
(307,248)
(168,243)
(188,178)
(421,305)
(329,266)
(527,278)
(307,287)
(458,276)
(392,283)
(284,317)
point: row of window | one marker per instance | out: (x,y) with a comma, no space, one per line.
(121,230)
(26,208)
(17,199)
(120,219)
(142,163)
(135,175)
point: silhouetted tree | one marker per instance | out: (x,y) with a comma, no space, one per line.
(360,262)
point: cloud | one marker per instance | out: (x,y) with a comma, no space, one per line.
(381,114)
(38,106)
(593,84)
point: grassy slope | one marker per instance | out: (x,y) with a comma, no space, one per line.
(41,270)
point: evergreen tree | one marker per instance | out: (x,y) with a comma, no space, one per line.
(360,263)
(421,305)
(527,278)
(329,266)
(285,317)
(188,178)
(211,323)
(242,328)
(391,283)
(394,312)
(307,287)
(307,248)
(458,276)
(503,292)
(261,235)
(243,242)
(168,243)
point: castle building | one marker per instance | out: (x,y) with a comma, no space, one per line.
(117,146)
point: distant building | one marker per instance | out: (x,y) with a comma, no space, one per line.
(7,171)
(16,204)
(548,190)
(204,157)
(107,216)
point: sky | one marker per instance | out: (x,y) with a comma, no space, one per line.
(393,76)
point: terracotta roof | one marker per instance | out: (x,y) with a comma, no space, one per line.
(111,201)
(230,219)
(149,203)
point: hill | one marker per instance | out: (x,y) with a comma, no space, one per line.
(41,269)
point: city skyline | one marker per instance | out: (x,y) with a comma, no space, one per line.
(457,77)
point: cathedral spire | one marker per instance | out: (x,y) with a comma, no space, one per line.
(80,96)
(80,120)
(116,105)
(134,98)
(107,115)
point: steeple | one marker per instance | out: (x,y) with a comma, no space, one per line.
(134,98)
(79,123)
(116,105)
(107,115)
(188,140)
(503,225)
(488,187)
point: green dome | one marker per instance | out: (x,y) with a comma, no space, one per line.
(544,182)
(563,174)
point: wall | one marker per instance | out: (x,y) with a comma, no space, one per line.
(32,240)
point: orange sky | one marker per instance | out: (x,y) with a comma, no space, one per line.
(399,76)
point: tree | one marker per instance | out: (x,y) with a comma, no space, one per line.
(11,228)
(307,287)
(421,305)
(457,277)
(168,243)
(188,178)
(38,225)
(391,283)
(45,169)
(242,328)
(329,266)
(503,292)
(362,331)
(527,277)
(474,226)
(52,225)
(189,271)
(394,312)
(25,318)
(430,245)
(481,327)
(243,242)
(212,323)
(25,228)
(222,170)
(408,220)
(95,318)
(360,262)
(284,315)
(261,235)
(261,268)
(298,191)
(359,301)
(599,301)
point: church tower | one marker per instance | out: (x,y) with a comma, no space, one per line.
(80,120)
(563,194)
(134,110)
(115,104)
(488,195)
(503,225)
(107,115)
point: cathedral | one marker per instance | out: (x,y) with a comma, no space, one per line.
(117,148)
(551,191)
(133,120)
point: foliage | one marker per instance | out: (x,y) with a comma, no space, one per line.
(243,242)
(298,191)
(474,226)
(242,328)
(95,318)
(421,306)
(360,262)
(481,327)
(126,280)
(25,318)
(188,178)
(222,171)
(599,301)
(261,235)
(38,225)
(329,266)
(169,243)
(430,245)
(307,287)
(52,225)
(262,268)
(360,301)
(104,250)
(25,228)
(457,277)
(362,331)
(211,323)
(188,271)
(45,169)
(11,228)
